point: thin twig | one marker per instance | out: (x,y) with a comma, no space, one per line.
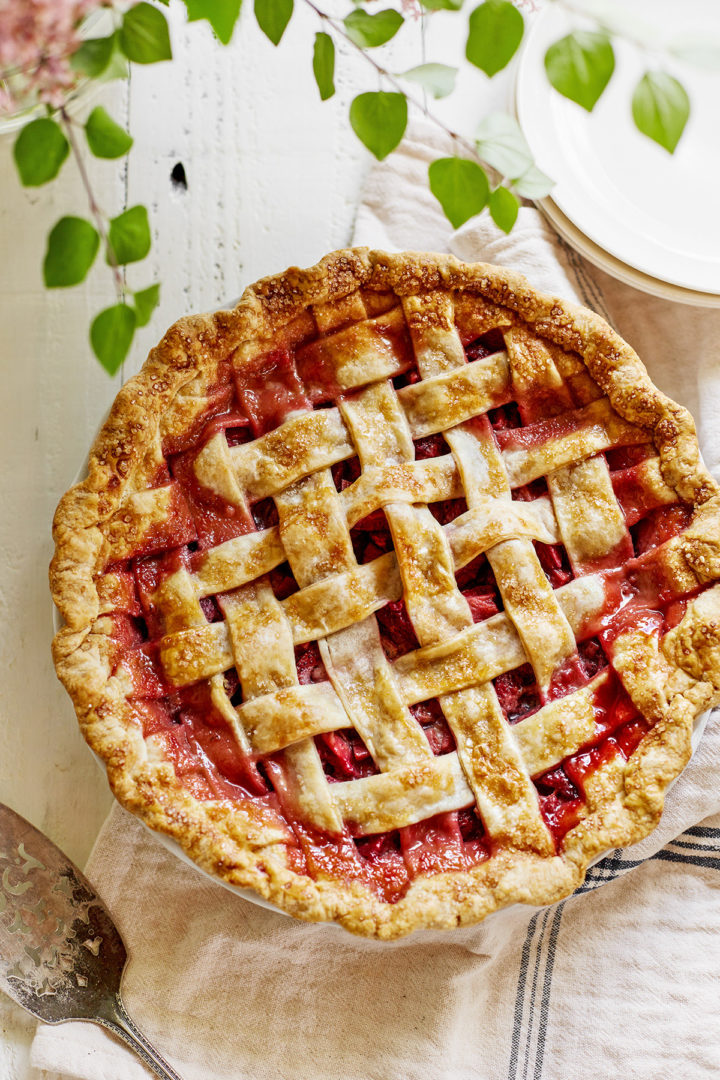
(92,203)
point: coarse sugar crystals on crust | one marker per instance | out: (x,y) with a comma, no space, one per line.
(392,593)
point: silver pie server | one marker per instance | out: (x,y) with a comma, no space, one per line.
(61,956)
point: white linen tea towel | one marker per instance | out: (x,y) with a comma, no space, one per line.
(614,981)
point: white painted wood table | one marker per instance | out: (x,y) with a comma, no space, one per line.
(273,178)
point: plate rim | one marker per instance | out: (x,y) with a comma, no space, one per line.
(621,271)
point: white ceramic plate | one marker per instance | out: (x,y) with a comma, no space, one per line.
(655,212)
(620,270)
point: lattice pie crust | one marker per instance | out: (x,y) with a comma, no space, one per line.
(389,594)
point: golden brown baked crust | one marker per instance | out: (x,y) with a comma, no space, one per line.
(239,844)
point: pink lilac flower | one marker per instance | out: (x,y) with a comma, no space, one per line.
(37,38)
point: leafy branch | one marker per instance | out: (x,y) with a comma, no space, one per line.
(379,118)
(73,243)
(493,171)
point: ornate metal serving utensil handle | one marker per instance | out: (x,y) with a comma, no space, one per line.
(122,1025)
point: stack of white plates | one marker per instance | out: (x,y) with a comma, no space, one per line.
(649,218)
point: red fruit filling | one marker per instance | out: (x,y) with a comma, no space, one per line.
(282,582)
(396,631)
(560,814)
(434,845)
(344,755)
(483,602)
(270,390)
(477,574)
(372,847)
(619,729)
(624,457)
(408,378)
(675,613)
(505,417)
(371,537)
(592,658)
(265,514)
(211,609)
(346,473)
(447,511)
(202,746)
(633,494)
(309,664)
(477,350)
(435,726)
(429,447)
(531,491)
(659,526)
(554,561)
(476,582)
(491,342)
(517,693)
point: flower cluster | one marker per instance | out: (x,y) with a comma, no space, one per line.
(37,39)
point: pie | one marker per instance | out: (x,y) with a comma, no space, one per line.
(391,593)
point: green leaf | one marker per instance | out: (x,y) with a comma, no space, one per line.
(533,184)
(437,79)
(442,5)
(111,335)
(324,65)
(579,66)
(106,139)
(379,120)
(221,14)
(144,36)
(118,68)
(502,144)
(503,207)
(93,56)
(369,31)
(145,303)
(129,235)
(272,17)
(39,151)
(460,186)
(495,30)
(660,108)
(71,250)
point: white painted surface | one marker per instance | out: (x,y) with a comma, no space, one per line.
(273,179)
